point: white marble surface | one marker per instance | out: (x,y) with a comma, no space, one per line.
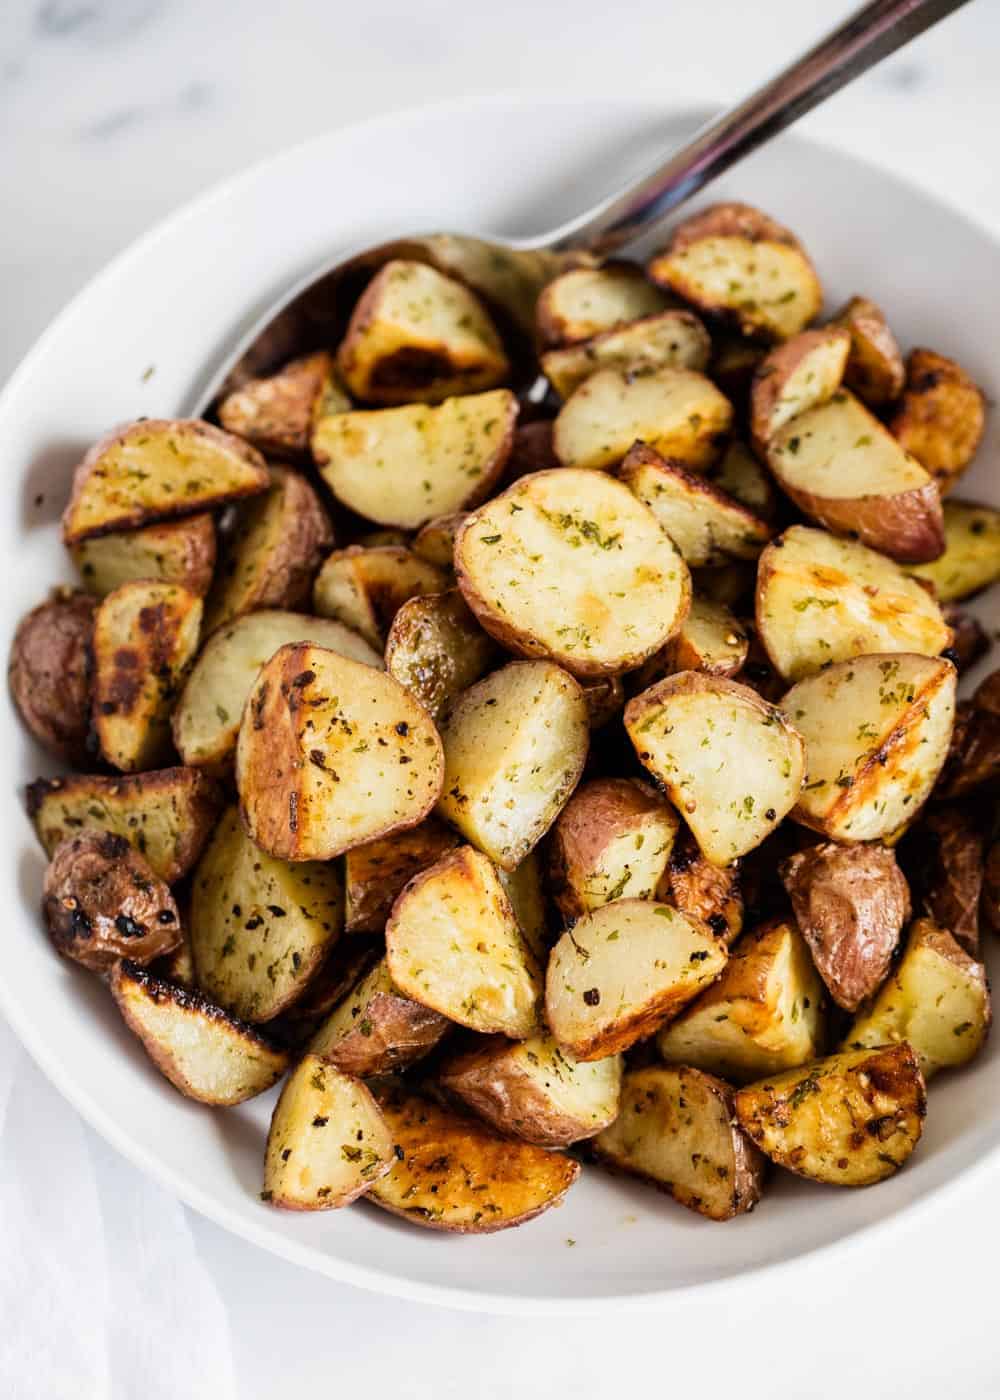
(114,111)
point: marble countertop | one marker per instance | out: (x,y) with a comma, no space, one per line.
(112,112)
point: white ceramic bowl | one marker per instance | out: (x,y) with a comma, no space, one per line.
(142,339)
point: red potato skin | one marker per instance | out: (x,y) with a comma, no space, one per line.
(944,854)
(909,527)
(730,219)
(773,373)
(49,673)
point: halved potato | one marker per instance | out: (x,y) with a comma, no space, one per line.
(416,334)
(801,374)
(365,588)
(877,731)
(822,599)
(206,720)
(405,466)
(621,971)
(739,474)
(453,944)
(971,558)
(376,1029)
(435,541)
(205,1053)
(157,468)
(612,840)
(707,525)
(374,874)
(842,468)
(514,747)
(676,1129)
(327,1144)
(937,999)
(667,339)
(701,890)
(568,564)
(587,301)
(850,1120)
(145,638)
(731,763)
(874,366)
(332,754)
(523,887)
(710,640)
(451,1172)
(677,412)
(535,1090)
(764,1014)
(941,417)
(178,551)
(49,673)
(277,413)
(732,261)
(436,648)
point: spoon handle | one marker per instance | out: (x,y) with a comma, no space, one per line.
(869,35)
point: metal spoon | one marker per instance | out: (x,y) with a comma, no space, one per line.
(509,275)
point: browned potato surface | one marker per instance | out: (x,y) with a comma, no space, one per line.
(702,890)
(710,640)
(945,853)
(276,413)
(973,760)
(376,873)
(49,673)
(588,301)
(941,417)
(177,551)
(874,366)
(435,541)
(364,588)
(436,649)
(667,339)
(376,1029)
(799,375)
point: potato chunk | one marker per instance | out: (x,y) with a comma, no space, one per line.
(710,640)
(568,564)
(621,971)
(276,413)
(435,541)
(676,1129)
(365,588)
(849,1120)
(731,763)
(874,366)
(514,747)
(971,558)
(49,673)
(178,551)
(941,417)
(588,301)
(801,374)
(523,887)
(701,890)
(436,649)
(943,854)
(332,754)
(739,474)
(376,873)
(376,1029)
(666,340)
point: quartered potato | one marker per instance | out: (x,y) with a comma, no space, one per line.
(454,945)
(676,1129)
(436,648)
(49,673)
(332,754)
(405,466)
(418,335)
(451,1172)
(937,999)
(205,1053)
(523,887)
(588,301)
(877,731)
(328,1143)
(731,763)
(734,262)
(668,339)
(178,551)
(260,928)
(941,417)
(801,374)
(276,413)
(435,541)
(535,1090)
(145,638)
(376,1029)
(971,558)
(612,840)
(874,365)
(374,874)
(365,588)
(764,1014)
(739,474)
(157,468)
(823,599)
(514,747)
(701,890)
(849,1120)
(677,412)
(569,565)
(621,971)
(710,640)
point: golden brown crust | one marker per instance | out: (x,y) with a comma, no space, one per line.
(49,673)
(703,891)
(730,219)
(875,365)
(377,872)
(276,413)
(391,1033)
(941,417)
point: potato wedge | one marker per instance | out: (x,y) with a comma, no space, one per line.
(48,672)
(844,470)
(734,262)
(701,890)
(178,551)
(667,339)
(435,541)
(207,1054)
(406,466)
(849,1120)
(332,754)
(454,945)
(418,335)
(877,731)
(612,840)
(374,874)
(941,417)
(145,638)
(376,1029)
(514,747)
(155,469)
(260,928)
(944,855)
(277,413)
(166,815)
(874,366)
(937,999)
(764,1014)
(707,526)
(534,1090)
(587,301)
(365,588)
(676,1129)
(523,887)
(436,649)
(677,412)
(971,558)
(801,374)
(453,1173)
(731,763)
(328,1143)
(621,971)
(822,599)
(710,640)
(206,720)
(739,474)
(545,567)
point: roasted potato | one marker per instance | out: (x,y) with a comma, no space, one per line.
(702,890)
(739,474)
(332,754)
(849,1120)
(523,887)
(277,413)
(945,854)
(710,640)
(874,365)
(177,966)
(436,649)
(973,759)
(435,541)
(376,1029)
(49,673)
(941,417)
(343,967)
(178,551)
(365,588)
(587,301)
(676,1129)
(374,874)
(545,565)
(971,558)
(801,374)
(665,340)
